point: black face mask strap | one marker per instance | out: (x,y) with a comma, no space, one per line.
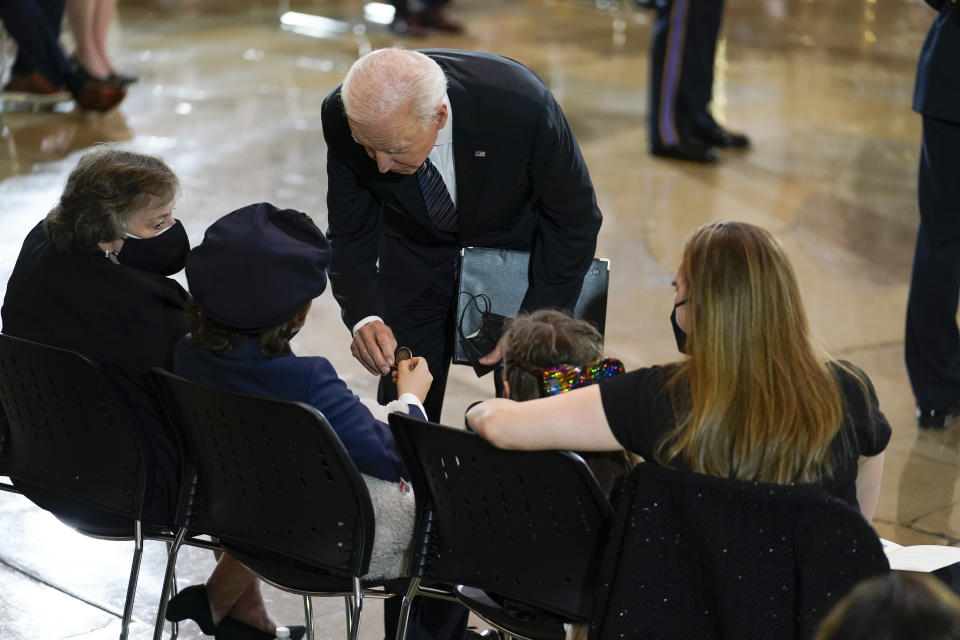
(474,301)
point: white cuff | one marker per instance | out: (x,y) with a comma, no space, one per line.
(409,398)
(363,322)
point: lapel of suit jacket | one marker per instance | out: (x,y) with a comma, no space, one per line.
(407,192)
(469,154)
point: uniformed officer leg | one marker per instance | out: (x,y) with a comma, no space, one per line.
(425,324)
(703,30)
(668,48)
(658,47)
(932,343)
(697,91)
(670,117)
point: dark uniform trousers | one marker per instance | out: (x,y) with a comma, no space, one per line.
(683,49)
(932,341)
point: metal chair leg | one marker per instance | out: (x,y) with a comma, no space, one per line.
(169,578)
(174,626)
(308,615)
(132,583)
(358,599)
(405,608)
(348,611)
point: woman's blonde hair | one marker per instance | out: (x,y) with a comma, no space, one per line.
(755,400)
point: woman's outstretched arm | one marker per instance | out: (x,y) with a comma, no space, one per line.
(869,471)
(573,420)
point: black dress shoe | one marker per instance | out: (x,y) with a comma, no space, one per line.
(690,151)
(936,419)
(434,18)
(720,137)
(192,603)
(233,629)
(409,27)
(122,79)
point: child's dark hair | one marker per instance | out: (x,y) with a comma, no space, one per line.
(545,339)
(210,335)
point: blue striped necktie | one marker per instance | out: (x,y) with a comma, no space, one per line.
(436,198)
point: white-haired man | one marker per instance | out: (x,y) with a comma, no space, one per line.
(431,151)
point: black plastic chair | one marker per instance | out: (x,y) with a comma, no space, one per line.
(520,532)
(71,448)
(271,479)
(695,556)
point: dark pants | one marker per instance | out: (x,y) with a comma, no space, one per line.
(402,7)
(932,344)
(35,26)
(682,53)
(430,619)
(426,325)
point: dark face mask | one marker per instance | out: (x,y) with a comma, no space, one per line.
(678,333)
(485,338)
(164,254)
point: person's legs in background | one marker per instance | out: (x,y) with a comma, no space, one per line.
(932,344)
(415,18)
(90,21)
(52,11)
(83,23)
(102,19)
(704,28)
(674,65)
(40,67)
(230,600)
(27,24)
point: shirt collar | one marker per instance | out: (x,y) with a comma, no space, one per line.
(445,135)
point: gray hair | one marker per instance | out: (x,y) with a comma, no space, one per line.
(383,81)
(105,189)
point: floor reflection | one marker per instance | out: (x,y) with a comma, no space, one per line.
(231,100)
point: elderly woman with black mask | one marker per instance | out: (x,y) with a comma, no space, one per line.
(92,277)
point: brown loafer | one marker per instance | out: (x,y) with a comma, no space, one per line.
(33,88)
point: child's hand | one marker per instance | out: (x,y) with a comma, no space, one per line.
(413,376)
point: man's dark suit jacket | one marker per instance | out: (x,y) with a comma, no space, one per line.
(937,91)
(521,184)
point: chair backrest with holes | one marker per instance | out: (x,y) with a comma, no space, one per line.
(528,525)
(68,434)
(269,477)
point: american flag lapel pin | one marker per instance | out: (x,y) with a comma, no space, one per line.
(479,154)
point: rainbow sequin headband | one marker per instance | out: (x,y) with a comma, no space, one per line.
(565,377)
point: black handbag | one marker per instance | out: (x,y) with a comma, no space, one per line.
(493,283)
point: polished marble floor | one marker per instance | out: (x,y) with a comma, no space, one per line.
(231,99)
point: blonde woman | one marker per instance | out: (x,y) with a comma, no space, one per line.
(755,400)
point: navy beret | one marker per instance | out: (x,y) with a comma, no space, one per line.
(258,266)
